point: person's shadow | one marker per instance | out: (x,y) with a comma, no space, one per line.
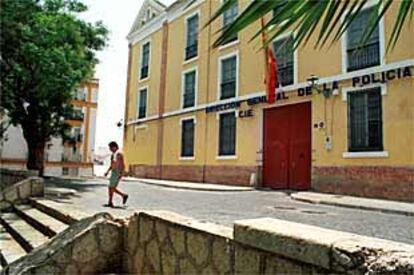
(116,207)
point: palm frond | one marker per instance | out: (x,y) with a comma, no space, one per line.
(304,16)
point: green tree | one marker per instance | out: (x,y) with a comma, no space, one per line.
(303,16)
(46,52)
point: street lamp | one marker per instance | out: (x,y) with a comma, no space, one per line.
(313,83)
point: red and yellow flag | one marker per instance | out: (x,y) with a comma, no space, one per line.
(270,70)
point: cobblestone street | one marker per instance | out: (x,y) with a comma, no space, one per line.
(226,207)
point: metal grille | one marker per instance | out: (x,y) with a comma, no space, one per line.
(192,38)
(228,17)
(189,89)
(284,53)
(228,78)
(142,105)
(365,120)
(187,138)
(227,132)
(145,60)
(367,55)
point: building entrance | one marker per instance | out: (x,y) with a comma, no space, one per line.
(287,147)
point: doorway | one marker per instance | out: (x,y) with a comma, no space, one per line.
(287,147)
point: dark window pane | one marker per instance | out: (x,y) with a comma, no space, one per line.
(228,17)
(365,120)
(145,60)
(284,54)
(228,78)
(187,138)
(142,107)
(189,89)
(362,56)
(192,38)
(227,134)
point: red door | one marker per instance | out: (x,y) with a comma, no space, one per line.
(287,147)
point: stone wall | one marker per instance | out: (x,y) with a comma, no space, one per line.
(9,177)
(91,246)
(30,187)
(161,242)
(218,174)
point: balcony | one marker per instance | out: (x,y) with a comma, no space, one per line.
(189,100)
(72,158)
(77,115)
(191,51)
(228,89)
(144,72)
(364,57)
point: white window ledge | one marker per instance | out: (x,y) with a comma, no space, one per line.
(190,60)
(187,158)
(226,157)
(350,155)
(229,45)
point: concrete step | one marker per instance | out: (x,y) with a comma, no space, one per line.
(10,249)
(46,224)
(25,234)
(60,211)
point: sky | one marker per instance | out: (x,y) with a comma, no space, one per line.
(118,16)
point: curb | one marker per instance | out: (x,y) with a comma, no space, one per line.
(242,189)
(354,206)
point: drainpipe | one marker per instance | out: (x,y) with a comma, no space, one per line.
(207,91)
(161,102)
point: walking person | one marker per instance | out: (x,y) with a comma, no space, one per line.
(117,170)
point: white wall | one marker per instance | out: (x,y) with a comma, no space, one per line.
(92,131)
(14,144)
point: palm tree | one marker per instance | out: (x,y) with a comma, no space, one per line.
(303,16)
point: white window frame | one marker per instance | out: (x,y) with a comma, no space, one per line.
(142,59)
(194,119)
(220,59)
(187,18)
(193,69)
(344,40)
(369,154)
(295,58)
(226,157)
(138,103)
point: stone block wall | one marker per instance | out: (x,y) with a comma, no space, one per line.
(9,177)
(161,242)
(30,187)
(91,246)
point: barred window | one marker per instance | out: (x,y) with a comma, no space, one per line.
(187,138)
(227,133)
(228,17)
(228,77)
(189,89)
(142,103)
(145,60)
(284,54)
(191,49)
(362,56)
(365,120)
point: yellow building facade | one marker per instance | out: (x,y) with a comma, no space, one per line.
(198,113)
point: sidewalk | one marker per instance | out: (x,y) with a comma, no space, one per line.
(387,206)
(190,185)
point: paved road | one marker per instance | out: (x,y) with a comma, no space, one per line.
(227,207)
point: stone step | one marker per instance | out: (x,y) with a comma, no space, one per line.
(60,211)
(10,249)
(25,234)
(41,221)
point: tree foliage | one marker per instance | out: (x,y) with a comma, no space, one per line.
(303,16)
(46,52)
